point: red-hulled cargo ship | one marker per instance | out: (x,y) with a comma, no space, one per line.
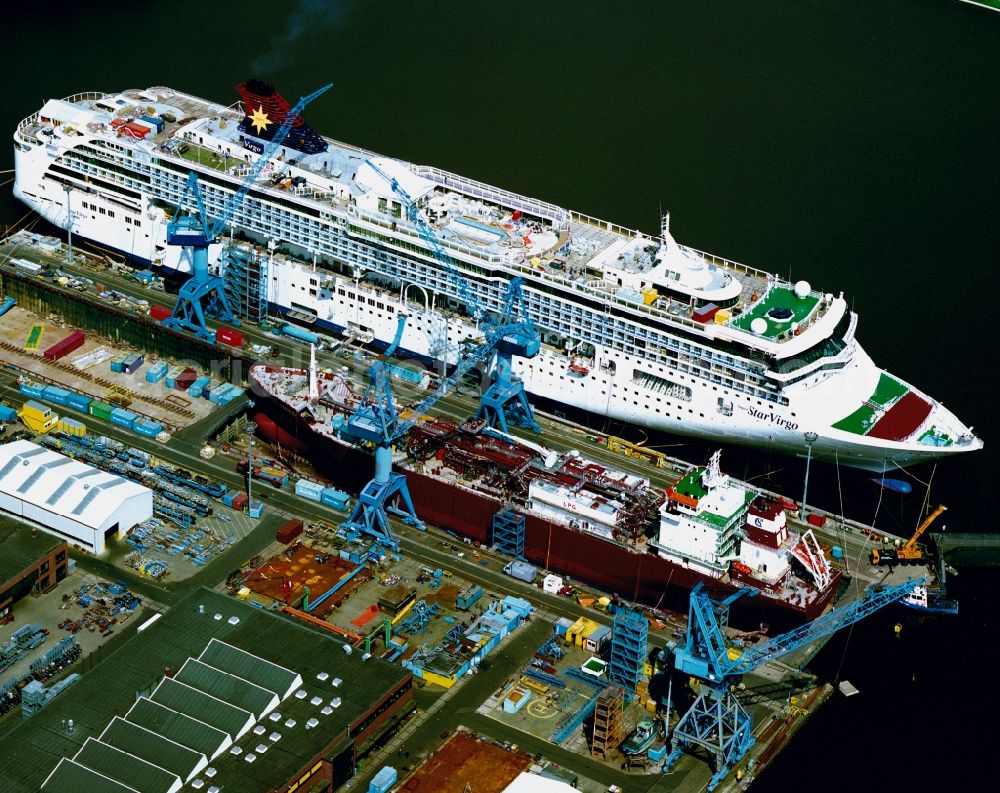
(582,519)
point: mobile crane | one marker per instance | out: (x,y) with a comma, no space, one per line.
(908,553)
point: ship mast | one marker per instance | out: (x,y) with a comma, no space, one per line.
(313,380)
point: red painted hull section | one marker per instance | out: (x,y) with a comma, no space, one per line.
(613,568)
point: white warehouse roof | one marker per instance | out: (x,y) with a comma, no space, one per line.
(73,499)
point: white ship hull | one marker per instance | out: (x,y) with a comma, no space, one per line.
(620,383)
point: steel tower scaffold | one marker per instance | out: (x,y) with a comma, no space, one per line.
(629,635)
(508,533)
(607,734)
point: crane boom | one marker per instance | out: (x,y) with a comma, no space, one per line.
(261,162)
(831,622)
(908,551)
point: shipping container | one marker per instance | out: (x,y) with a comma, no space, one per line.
(65,346)
(383,780)
(239,502)
(123,418)
(311,490)
(72,427)
(704,313)
(229,336)
(172,374)
(7,413)
(31,389)
(332,497)
(55,394)
(116,364)
(157,123)
(101,410)
(185,379)
(134,130)
(156,372)
(288,532)
(79,402)
(147,427)
(817,520)
(160,313)
(131,364)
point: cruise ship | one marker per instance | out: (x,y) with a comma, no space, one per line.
(635,326)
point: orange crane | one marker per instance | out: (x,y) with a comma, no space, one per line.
(909,553)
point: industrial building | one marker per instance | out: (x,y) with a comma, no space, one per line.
(213,695)
(30,561)
(68,498)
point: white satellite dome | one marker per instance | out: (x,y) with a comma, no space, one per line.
(802,289)
(759,326)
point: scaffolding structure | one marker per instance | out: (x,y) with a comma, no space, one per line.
(607,733)
(246,283)
(508,533)
(629,635)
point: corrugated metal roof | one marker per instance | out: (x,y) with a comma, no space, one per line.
(126,769)
(229,688)
(250,667)
(153,748)
(203,707)
(177,727)
(65,486)
(71,777)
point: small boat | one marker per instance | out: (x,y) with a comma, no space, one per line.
(641,738)
(578,369)
(895,485)
(932,600)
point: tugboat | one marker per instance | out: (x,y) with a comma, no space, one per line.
(641,738)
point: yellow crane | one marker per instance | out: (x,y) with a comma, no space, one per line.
(908,553)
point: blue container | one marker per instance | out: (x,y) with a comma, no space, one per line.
(156,122)
(55,394)
(7,413)
(123,418)
(79,402)
(32,389)
(311,490)
(217,393)
(383,780)
(146,427)
(131,364)
(332,497)
(156,372)
(228,498)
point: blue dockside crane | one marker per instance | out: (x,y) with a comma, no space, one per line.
(204,293)
(716,722)
(375,419)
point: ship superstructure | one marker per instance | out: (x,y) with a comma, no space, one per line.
(636,327)
(607,527)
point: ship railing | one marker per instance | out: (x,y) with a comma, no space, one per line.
(605,225)
(84,96)
(556,214)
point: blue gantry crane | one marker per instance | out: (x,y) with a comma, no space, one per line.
(716,721)
(204,293)
(376,420)
(505,335)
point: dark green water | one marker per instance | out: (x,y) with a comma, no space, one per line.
(854,144)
